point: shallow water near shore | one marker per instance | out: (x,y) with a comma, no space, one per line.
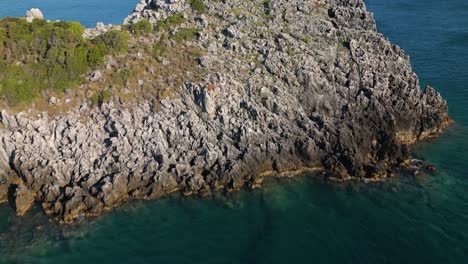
(421,219)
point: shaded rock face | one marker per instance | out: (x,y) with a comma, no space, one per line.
(291,85)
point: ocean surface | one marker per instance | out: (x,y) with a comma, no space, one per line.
(420,219)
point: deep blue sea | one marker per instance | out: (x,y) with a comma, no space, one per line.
(302,220)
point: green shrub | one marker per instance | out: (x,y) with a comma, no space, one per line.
(17,85)
(122,77)
(159,49)
(116,42)
(76,62)
(171,22)
(19,29)
(197,5)
(96,55)
(73,27)
(141,28)
(100,98)
(185,34)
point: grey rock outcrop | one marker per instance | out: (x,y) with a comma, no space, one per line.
(292,85)
(156,10)
(100,29)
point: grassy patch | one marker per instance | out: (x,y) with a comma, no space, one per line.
(100,98)
(159,49)
(185,34)
(171,22)
(140,28)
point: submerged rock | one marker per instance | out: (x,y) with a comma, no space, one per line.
(291,85)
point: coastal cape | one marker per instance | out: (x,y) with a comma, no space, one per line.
(289,86)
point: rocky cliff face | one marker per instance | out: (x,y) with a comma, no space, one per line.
(291,85)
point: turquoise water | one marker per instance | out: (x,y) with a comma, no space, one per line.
(407,220)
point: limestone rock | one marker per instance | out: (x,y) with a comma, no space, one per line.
(155,10)
(53,101)
(95,76)
(34,13)
(100,29)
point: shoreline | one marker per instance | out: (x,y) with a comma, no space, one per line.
(257,184)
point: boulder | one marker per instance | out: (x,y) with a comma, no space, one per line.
(95,76)
(53,101)
(34,13)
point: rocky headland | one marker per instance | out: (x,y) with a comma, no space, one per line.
(281,87)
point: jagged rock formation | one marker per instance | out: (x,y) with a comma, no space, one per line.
(291,85)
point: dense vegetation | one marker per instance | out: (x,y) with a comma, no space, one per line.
(44,55)
(141,28)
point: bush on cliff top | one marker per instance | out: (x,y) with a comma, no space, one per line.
(171,22)
(114,42)
(44,55)
(140,28)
